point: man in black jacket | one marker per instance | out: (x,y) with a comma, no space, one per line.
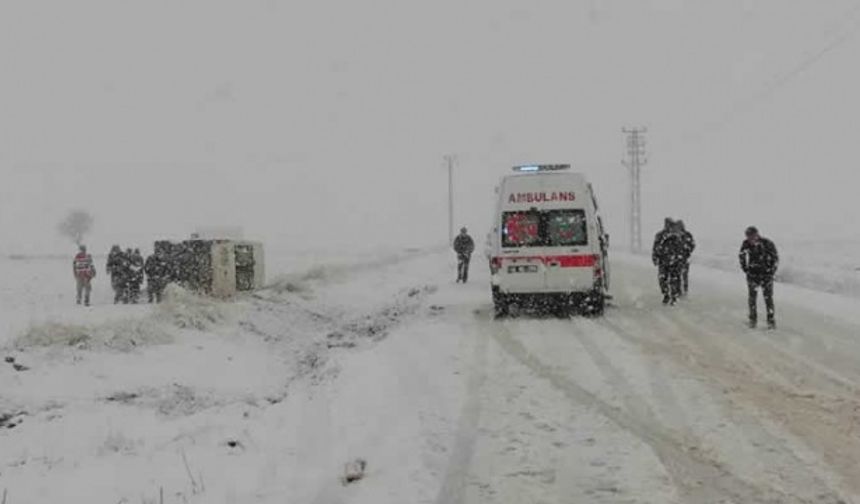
(115,270)
(689,247)
(658,257)
(136,275)
(156,269)
(671,257)
(759,260)
(463,246)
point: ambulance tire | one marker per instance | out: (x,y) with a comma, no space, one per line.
(595,304)
(564,306)
(501,308)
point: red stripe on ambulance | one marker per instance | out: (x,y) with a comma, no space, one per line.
(563,261)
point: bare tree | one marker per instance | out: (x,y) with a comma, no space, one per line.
(76,225)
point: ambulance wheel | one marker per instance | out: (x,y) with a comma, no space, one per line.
(565,306)
(595,304)
(501,308)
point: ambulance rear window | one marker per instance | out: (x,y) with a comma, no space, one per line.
(565,228)
(549,228)
(521,229)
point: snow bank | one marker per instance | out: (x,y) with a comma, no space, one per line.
(338,269)
(122,335)
(181,309)
(188,310)
(376,326)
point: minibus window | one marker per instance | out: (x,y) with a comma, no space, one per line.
(566,228)
(521,229)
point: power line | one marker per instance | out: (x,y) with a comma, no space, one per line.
(450,160)
(836,38)
(634,162)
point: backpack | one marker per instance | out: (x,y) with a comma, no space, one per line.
(672,249)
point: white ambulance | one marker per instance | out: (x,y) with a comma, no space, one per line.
(548,246)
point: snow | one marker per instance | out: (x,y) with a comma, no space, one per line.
(268,398)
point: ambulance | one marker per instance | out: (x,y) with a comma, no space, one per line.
(548,248)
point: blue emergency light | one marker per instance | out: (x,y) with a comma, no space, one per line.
(539,168)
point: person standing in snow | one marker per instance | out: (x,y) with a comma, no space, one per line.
(689,246)
(671,258)
(84,270)
(135,278)
(463,246)
(125,275)
(658,257)
(157,273)
(114,269)
(759,260)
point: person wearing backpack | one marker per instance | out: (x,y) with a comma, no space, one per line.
(669,254)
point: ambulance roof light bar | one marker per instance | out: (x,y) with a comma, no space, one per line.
(540,168)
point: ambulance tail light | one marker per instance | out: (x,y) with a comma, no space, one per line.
(495,264)
(598,270)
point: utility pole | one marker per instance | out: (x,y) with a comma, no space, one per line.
(450,159)
(634,162)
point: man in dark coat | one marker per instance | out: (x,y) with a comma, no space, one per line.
(126,273)
(689,247)
(759,260)
(135,278)
(115,270)
(157,276)
(658,257)
(463,246)
(670,260)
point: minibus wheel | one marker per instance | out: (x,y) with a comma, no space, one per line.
(500,304)
(595,304)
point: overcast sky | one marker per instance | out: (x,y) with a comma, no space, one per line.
(316,124)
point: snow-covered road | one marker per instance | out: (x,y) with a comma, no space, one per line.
(397,365)
(666,405)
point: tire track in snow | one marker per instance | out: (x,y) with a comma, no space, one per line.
(453,485)
(706,359)
(639,409)
(788,362)
(698,477)
(634,406)
(659,384)
(822,423)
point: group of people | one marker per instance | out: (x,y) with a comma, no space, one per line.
(127,270)
(673,247)
(759,260)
